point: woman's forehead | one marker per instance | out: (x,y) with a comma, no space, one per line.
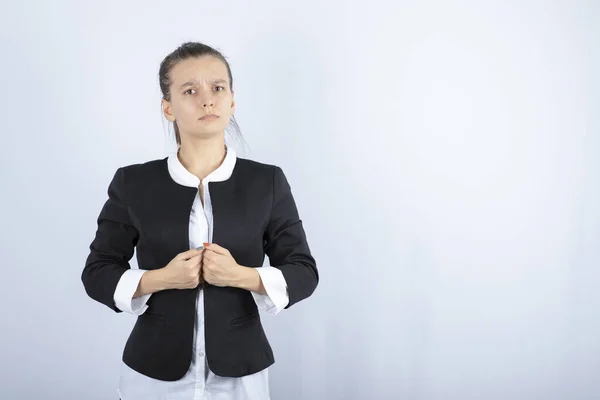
(202,70)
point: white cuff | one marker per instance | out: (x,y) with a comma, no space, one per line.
(277,296)
(125,290)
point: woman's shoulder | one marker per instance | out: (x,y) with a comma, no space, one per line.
(141,171)
(255,165)
(258,169)
(145,166)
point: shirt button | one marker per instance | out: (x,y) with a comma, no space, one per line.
(201,354)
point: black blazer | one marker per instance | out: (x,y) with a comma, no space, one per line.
(254,214)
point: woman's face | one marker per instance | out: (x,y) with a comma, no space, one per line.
(199,86)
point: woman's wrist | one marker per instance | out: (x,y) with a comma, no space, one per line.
(248,278)
(152,281)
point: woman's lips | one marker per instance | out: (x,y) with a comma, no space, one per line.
(209,117)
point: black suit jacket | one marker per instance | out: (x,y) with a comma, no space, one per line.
(254,214)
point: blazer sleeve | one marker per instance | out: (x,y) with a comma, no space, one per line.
(112,246)
(286,244)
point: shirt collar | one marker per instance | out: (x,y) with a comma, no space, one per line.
(184,177)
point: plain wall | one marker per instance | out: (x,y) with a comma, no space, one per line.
(443,156)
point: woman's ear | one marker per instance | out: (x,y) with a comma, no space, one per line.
(166,107)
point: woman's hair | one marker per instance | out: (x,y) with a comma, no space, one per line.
(185,51)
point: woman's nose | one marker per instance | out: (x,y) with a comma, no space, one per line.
(207,100)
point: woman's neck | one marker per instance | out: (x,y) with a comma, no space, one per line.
(202,157)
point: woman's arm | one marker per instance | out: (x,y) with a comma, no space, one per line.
(286,243)
(112,247)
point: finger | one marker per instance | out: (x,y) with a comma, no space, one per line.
(195,257)
(186,255)
(193,261)
(216,248)
(211,259)
(209,255)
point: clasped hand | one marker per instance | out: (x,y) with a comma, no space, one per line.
(213,264)
(218,268)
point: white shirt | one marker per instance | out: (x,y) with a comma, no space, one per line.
(199,383)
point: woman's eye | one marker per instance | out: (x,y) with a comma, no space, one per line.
(221,88)
(189,90)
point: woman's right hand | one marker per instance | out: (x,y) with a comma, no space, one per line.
(184,270)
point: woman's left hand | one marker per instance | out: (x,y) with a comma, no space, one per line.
(218,266)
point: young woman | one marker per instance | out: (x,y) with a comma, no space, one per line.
(201,222)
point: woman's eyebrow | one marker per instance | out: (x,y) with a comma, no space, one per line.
(195,82)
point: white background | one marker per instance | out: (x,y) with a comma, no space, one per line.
(443,155)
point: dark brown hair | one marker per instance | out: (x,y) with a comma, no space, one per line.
(185,51)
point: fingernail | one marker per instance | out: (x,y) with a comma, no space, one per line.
(206,244)
(199,248)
